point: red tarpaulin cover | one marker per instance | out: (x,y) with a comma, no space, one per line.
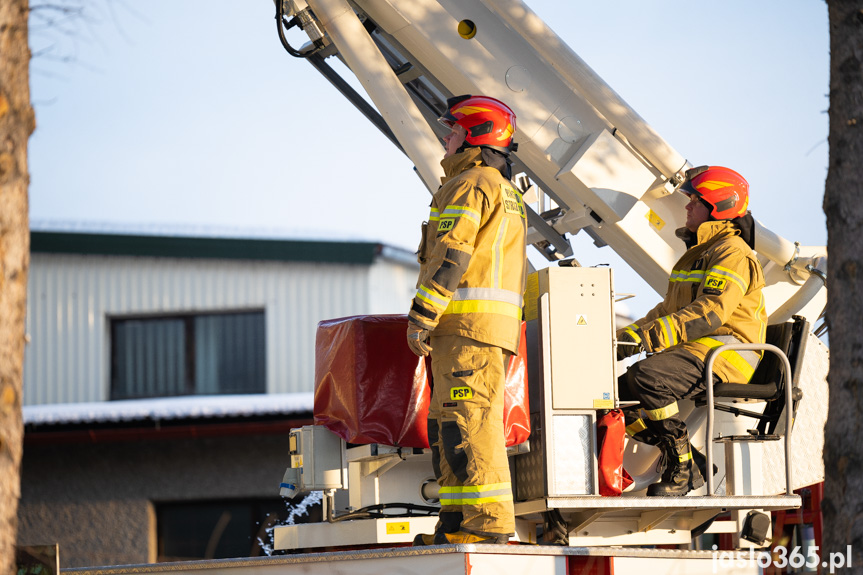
(370,387)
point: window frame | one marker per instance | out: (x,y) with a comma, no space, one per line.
(189,339)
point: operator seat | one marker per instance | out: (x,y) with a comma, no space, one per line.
(768,382)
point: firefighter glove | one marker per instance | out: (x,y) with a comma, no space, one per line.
(628,343)
(652,339)
(418,339)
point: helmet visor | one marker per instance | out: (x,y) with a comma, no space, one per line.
(447,119)
(688,189)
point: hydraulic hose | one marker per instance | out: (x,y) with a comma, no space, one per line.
(337,81)
(377,512)
(281,24)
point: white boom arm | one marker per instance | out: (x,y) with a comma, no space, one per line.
(608,171)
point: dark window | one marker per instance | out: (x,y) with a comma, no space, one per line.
(223,529)
(188,355)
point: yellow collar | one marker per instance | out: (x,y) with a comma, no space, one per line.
(458,163)
(711,229)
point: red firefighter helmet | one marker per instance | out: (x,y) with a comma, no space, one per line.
(726,191)
(488,122)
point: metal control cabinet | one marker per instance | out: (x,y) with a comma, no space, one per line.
(577,325)
(571,316)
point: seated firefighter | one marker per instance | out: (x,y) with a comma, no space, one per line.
(714,297)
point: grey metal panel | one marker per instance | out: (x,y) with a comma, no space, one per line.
(572,457)
(530,480)
(72,297)
(807,435)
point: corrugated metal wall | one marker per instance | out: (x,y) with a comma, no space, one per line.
(72,297)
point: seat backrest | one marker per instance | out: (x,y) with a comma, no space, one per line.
(769,370)
(791,338)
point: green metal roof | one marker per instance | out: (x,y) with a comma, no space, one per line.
(208,248)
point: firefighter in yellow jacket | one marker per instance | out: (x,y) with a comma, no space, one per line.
(467,314)
(714,297)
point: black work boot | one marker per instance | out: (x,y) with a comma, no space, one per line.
(680,476)
(700,461)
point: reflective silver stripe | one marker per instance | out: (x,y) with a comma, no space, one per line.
(488,294)
(425,294)
(475,494)
(683,276)
(668,330)
(750,357)
(458,211)
(736,278)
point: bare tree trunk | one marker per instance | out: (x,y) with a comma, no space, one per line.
(16,124)
(843,205)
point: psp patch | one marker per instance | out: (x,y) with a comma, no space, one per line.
(512,202)
(457,393)
(446,225)
(713,282)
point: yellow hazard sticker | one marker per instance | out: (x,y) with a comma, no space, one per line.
(603,404)
(531,297)
(457,393)
(715,282)
(446,225)
(396,528)
(296,461)
(654,220)
(512,202)
(581,320)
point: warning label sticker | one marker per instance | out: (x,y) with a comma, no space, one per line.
(581,320)
(655,220)
(395,528)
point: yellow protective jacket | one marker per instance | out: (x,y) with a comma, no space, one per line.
(472,255)
(714,297)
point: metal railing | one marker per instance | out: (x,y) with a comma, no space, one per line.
(789,404)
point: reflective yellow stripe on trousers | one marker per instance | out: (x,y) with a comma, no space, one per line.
(476,494)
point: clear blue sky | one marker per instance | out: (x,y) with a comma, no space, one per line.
(189,117)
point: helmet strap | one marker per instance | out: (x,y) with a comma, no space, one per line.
(710,207)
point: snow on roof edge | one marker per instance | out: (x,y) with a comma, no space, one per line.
(168,408)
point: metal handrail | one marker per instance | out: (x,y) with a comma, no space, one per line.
(789,405)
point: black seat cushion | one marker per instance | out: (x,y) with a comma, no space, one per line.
(744,390)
